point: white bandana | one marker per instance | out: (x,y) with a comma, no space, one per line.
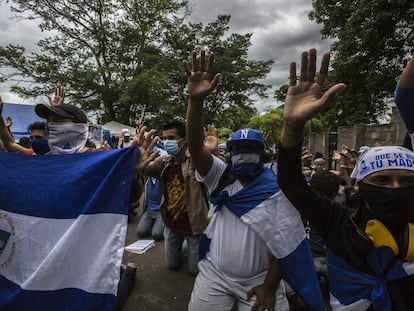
(67,137)
(245,158)
(384,158)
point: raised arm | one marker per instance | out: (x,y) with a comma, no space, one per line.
(200,85)
(7,138)
(407,76)
(304,97)
(304,100)
(404,98)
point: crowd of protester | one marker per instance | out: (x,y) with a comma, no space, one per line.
(246,218)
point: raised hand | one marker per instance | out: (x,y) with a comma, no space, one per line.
(304,97)
(211,138)
(200,81)
(146,143)
(9,122)
(59,96)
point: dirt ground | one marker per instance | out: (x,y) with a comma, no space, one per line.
(156,288)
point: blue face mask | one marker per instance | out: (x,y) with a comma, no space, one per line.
(246,171)
(246,163)
(40,146)
(172,147)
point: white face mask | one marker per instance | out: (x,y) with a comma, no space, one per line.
(67,137)
(245,158)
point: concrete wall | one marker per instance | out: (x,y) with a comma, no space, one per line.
(362,135)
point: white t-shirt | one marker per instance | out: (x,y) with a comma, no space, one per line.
(235,249)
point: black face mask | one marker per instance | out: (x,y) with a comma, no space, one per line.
(393,207)
(40,146)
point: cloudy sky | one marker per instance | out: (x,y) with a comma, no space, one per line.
(281,31)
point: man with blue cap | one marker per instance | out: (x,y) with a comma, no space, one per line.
(254,237)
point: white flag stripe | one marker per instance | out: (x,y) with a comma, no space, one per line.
(360,305)
(282,229)
(64,248)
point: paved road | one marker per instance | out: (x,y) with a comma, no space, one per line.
(156,288)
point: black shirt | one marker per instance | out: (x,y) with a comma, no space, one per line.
(339,225)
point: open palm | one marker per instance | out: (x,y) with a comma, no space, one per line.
(305,98)
(200,82)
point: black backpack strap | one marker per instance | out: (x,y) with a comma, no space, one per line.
(226,179)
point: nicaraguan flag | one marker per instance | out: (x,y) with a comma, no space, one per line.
(264,207)
(354,290)
(63,221)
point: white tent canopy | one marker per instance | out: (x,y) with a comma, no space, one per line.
(116,128)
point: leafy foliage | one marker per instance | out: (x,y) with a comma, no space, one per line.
(270,123)
(372,42)
(122,60)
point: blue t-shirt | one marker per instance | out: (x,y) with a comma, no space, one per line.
(154,194)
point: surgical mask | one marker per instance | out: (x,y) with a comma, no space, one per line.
(40,146)
(172,147)
(392,206)
(67,137)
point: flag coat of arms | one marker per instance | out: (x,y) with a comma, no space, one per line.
(63,221)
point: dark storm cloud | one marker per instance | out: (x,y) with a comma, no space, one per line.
(280,31)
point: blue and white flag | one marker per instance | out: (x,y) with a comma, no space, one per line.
(63,220)
(266,210)
(352,289)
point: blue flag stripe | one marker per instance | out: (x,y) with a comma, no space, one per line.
(297,268)
(59,186)
(15,298)
(65,219)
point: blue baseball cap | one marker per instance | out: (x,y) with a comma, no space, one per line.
(246,136)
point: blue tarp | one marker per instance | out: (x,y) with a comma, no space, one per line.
(22,115)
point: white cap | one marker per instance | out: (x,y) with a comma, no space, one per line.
(383,158)
(126,132)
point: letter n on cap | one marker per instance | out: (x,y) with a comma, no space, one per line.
(244,134)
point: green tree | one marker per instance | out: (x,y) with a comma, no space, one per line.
(109,54)
(372,41)
(122,60)
(281,93)
(270,123)
(235,117)
(239,81)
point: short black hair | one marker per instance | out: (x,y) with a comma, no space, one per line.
(38,125)
(178,125)
(326,183)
